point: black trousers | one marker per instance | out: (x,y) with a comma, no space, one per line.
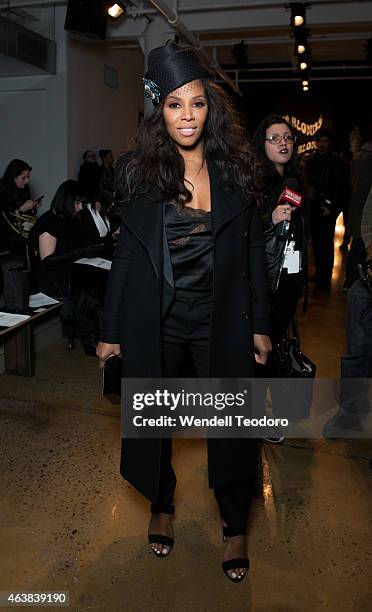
(185,350)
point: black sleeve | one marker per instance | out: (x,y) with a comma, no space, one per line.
(116,288)
(56,261)
(7,204)
(261,308)
(49,223)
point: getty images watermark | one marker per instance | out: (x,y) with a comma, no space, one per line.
(251,408)
(165,400)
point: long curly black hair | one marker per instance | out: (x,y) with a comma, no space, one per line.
(15,194)
(158,163)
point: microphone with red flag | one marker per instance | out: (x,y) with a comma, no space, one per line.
(289,195)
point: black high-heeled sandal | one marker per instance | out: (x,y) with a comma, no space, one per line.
(161,539)
(233,564)
(155,538)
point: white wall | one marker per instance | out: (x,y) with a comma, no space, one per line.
(49,120)
(99,116)
(33,122)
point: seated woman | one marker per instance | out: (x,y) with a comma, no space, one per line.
(60,237)
(17,209)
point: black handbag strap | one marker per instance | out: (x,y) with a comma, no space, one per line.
(293,332)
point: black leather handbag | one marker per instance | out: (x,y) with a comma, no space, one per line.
(294,373)
(288,359)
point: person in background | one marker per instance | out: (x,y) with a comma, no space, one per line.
(107,177)
(361,184)
(356,365)
(89,174)
(17,208)
(59,238)
(327,192)
(286,253)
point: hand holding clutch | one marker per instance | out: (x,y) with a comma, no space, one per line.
(106,350)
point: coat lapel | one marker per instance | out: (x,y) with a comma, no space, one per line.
(144,218)
(226,202)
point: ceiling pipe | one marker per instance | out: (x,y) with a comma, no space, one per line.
(312,78)
(288,68)
(139,10)
(32,4)
(264,4)
(180,27)
(285,40)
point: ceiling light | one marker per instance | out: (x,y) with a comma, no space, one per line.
(303,65)
(301,40)
(305,83)
(298,21)
(298,14)
(305,88)
(116,10)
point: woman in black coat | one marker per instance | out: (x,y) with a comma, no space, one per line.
(189,279)
(286,245)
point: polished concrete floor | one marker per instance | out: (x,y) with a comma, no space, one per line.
(68,522)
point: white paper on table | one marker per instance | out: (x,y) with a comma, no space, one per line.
(97,262)
(40,299)
(8,319)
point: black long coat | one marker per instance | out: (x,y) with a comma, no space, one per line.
(135,301)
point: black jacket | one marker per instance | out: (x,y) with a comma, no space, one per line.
(11,225)
(140,285)
(326,174)
(275,244)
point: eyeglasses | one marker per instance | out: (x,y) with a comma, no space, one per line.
(277,138)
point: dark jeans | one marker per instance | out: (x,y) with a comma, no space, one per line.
(356,255)
(357,364)
(185,349)
(322,235)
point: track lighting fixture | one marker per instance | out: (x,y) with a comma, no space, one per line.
(116,9)
(298,14)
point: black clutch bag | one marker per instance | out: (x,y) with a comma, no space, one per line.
(112,379)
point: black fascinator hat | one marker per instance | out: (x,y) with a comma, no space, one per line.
(170,67)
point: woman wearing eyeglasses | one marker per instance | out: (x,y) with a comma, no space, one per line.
(286,249)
